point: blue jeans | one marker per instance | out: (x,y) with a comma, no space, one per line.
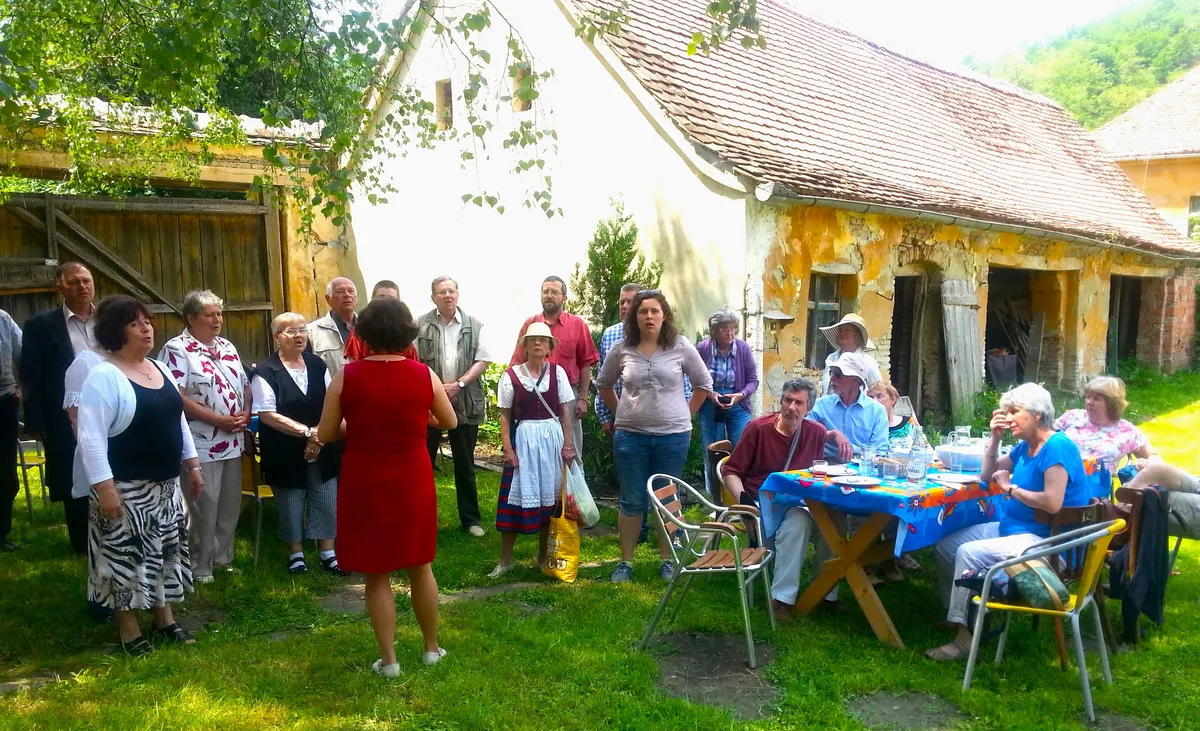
(717,425)
(637,456)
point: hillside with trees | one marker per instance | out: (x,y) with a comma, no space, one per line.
(1101,69)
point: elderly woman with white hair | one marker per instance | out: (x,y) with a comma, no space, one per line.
(289,391)
(216,401)
(1042,472)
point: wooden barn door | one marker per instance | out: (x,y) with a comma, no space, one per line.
(154,249)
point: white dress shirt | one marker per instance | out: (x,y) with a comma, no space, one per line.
(81,331)
(450,332)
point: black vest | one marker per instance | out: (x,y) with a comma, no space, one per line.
(282,455)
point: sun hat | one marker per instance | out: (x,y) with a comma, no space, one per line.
(852,364)
(539,330)
(854,319)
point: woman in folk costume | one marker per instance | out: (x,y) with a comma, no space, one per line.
(849,335)
(535,426)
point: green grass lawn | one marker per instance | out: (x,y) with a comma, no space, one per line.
(277,659)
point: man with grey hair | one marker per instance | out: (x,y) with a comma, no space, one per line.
(51,341)
(776,443)
(327,335)
(451,343)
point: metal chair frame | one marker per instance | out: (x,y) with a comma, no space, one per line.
(1097,538)
(255,496)
(690,543)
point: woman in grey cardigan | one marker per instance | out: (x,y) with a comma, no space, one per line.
(653,421)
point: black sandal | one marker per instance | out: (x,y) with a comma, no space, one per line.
(297,566)
(172,633)
(137,647)
(331,565)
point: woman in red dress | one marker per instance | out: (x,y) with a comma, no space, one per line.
(387,507)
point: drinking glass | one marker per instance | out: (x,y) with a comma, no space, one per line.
(866,463)
(819,466)
(889,470)
(956,457)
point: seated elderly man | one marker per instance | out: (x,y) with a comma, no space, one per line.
(774,443)
(1043,472)
(1183,495)
(853,419)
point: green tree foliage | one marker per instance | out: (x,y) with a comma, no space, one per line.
(1101,69)
(612,260)
(72,72)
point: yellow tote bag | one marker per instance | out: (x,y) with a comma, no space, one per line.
(562,548)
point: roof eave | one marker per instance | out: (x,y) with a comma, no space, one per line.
(772,192)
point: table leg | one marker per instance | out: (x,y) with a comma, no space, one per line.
(849,558)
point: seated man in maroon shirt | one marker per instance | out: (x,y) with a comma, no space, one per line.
(774,443)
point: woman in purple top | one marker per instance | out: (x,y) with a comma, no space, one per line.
(735,378)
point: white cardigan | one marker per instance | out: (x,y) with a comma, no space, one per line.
(105,410)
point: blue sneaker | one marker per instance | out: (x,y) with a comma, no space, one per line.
(623,573)
(667,570)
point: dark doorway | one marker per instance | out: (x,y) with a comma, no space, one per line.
(1009,315)
(1124,309)
(907,310)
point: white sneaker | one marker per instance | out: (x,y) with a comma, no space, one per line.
(387,671)
(499,571)
(431,658)
(476,530)
(203,579)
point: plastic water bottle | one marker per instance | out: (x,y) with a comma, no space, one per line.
(918,458)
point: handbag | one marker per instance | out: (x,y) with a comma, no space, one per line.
(562,545)
(1038,584)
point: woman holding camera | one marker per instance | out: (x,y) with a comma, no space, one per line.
(727,410)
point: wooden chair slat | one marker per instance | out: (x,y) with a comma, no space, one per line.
(668,491)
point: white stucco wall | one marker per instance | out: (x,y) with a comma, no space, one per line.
(606,147)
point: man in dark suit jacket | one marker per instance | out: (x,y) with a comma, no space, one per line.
(51,341)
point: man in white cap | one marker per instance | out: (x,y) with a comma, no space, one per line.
(853,419)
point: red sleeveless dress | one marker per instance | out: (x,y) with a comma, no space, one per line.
(386,503)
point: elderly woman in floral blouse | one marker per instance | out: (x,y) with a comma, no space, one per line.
(216,400)
(1099,430)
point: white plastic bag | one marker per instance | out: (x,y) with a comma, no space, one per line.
(579,498)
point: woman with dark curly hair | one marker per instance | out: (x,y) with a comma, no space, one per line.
(653,424)
(132,439)
(386,504)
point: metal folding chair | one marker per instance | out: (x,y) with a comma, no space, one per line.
(696,549)
(1092,542)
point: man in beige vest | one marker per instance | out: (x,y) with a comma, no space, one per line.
(327,335)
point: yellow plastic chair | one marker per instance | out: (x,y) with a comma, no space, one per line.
(696,549)
(1089,545)
(27,462)
(254,491)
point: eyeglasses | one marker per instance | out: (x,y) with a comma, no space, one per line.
(446,292)
(292,332)
(649,293)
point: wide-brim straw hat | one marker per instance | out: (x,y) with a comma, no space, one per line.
(539,330)
(830,332)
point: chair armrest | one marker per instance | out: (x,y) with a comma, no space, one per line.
(1071,535)
(1048,547)
(742,509)
(718,527)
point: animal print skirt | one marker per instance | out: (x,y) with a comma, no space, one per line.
(140,560)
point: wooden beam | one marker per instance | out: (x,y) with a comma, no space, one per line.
(227,307)
(1034,362)
(27,261)
(85,254)
(114,260)
(26,285)
(51,239)
(144,205)
(274,250)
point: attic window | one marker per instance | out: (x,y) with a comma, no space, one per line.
(518,104)
(443,104)
(1193,227)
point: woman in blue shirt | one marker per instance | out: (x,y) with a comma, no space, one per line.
(1043,472)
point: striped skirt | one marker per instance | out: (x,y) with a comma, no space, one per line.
(516,519)
(140,560)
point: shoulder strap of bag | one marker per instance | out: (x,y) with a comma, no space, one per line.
(792,449)
(1058,605)
(538,393)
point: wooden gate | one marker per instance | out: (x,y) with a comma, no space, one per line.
(964,352)
(154,249)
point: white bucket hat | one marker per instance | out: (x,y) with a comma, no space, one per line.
(539,330)
(852,364)
(856,320)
